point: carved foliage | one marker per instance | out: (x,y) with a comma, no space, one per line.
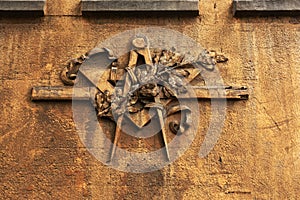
(162,76)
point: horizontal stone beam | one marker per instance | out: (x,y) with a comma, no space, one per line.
(86,93)
(22,6)
(265,7)
(89,6)
(57,93)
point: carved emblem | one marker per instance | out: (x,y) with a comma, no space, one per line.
(142,86)
(152,78)
(150,75)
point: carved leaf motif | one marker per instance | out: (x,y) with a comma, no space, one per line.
(169,66)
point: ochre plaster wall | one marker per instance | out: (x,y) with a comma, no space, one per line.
(257,154)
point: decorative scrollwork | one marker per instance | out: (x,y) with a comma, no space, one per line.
(69,73)
(162,66)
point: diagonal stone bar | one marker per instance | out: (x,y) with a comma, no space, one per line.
(86,93)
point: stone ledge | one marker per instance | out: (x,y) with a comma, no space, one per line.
(265,7)
(22,6)
(139,6)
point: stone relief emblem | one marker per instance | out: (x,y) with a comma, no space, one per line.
(146,87)
(151,75)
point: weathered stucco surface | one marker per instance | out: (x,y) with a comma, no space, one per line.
(256,157)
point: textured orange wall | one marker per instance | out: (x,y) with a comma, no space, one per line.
(42,156)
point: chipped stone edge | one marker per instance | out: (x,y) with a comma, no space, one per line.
(243,8)
(138,5)
(22,6)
